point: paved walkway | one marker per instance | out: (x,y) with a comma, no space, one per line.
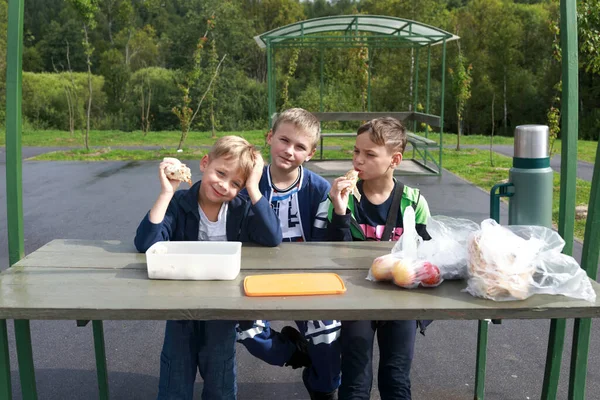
(106,200)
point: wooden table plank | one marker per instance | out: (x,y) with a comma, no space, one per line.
(127,294)
(105,254)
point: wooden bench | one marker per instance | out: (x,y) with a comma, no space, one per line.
(416,141)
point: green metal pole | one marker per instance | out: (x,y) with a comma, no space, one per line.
(101,369)
(416,92)
(321,83)
(568,176)
(369,79)
(589,262)
(5,381)
(442,102)
(14,190)
(270,83)
(25,358)
(428,87)
(480,364)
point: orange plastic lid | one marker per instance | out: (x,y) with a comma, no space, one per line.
(304,284)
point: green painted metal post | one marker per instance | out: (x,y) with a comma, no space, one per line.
(589,262)
(14,190)
(568,175)
(428,90)
(368,79)
(25,358)
(321,83)
(270,79)
(416,92)
(101,369)
(442,103)
(482,337)
(5,381)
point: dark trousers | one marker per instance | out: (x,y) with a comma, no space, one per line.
(396,347)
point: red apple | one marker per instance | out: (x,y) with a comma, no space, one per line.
(431,274)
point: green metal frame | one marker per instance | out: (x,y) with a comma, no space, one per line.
(359,31)
(566,214)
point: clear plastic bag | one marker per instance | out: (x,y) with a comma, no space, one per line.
(516,262)
(403,265)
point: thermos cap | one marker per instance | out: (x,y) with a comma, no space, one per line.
(531,141)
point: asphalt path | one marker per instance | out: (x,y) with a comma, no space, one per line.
(106,200)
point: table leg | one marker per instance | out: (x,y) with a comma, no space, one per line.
(556,342)
(579,358)
(25,357)
(482,337)
(100,351)
(5,382)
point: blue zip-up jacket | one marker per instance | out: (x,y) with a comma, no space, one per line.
(245,222)
(312,202)
(323,346)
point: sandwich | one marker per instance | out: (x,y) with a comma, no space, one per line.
(178,171)
(352,175)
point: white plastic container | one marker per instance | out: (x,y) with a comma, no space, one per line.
(194,260)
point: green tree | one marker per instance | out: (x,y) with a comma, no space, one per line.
(461,89)
(87,9)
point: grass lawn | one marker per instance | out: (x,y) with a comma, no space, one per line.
(170,139)
(474,166)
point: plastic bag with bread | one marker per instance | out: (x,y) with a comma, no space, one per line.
(516,262)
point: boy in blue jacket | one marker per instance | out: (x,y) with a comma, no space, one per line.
(299,198)
(211,209)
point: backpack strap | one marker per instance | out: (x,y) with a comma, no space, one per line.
(390,223)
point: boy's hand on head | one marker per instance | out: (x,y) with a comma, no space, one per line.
(254,178)
(168,186)
(339,194)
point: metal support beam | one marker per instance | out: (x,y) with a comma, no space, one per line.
(25,357)
(5,381)
(416,91)
(101,369)
(589,262)
(568,177)
(14,192)
(321,109)
(442,102)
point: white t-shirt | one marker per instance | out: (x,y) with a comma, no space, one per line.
(213,231)
(285,205)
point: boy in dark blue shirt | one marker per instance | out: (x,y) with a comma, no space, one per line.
(211,209)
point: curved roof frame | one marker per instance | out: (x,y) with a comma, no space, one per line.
(374,30)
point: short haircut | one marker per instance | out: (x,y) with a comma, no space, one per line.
(301,119)
(386,131)
(237,149)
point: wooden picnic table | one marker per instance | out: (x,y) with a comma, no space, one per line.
(103,279)
(98,280)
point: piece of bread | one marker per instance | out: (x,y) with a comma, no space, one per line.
(178,171)
(353,176)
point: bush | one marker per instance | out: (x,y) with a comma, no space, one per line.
(45,100)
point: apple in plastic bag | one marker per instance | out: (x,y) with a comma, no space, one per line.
(381,269)
(430,274)
(404,274)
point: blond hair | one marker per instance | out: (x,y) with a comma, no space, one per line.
(236,149)
(386,131)
(302,120)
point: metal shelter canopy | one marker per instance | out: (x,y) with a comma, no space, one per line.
(378,30)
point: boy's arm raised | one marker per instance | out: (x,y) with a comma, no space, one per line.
(157,224)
